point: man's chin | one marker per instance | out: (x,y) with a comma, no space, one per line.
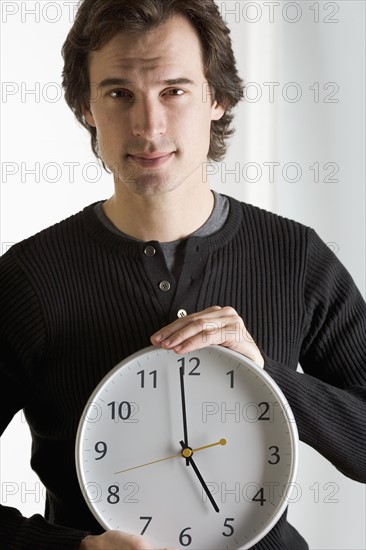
(150,184)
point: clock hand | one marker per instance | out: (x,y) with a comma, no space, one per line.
(198,474)
(186,455)
(221,442)
(148,463)
(184,413)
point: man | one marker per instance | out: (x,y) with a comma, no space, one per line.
(163,261)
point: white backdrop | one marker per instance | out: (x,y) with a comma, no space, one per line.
(298,150)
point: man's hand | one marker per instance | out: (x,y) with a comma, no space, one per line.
(215,325)
(114,540)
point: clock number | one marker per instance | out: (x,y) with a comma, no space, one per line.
(123,415)
(152,373)
(113,496)
(230,527)
(100,448)
(259,497)
(193,371)
(265,411)
(231,374)
(184,538)
(274,454)
(143,518)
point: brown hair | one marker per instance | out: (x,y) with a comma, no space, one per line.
(97,21)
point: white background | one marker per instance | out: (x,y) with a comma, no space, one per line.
(304,65)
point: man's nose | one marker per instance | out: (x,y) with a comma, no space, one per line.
(148,119)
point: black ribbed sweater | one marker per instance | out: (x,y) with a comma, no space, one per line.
(77,298)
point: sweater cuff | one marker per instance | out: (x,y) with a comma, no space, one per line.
(38,534)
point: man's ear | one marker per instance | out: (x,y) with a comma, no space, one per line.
(217,111)
(88,116)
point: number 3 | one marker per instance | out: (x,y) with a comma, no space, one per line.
(274,454)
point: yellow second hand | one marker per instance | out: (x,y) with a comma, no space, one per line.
(221,442)
(148,463)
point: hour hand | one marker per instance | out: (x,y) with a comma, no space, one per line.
(190,460)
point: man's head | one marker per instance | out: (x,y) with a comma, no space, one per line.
(98,21)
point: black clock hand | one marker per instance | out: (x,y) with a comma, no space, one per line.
(184,414)
(202,481)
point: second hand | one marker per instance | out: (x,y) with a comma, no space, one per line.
(221,442)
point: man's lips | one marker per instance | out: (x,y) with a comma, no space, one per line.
(151,160)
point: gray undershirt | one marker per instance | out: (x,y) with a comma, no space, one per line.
(174,251)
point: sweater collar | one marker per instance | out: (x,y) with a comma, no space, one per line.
(113,241)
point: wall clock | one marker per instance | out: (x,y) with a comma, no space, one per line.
(196,450)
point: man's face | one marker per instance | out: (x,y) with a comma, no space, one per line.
(152,109)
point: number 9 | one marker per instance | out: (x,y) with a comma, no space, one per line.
(100,448)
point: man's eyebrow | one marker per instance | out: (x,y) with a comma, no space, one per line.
(178,81)
(126,82)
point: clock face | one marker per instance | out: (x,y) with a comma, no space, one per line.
(221,481)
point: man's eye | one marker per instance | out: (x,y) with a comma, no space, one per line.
(121,94)
(175,91)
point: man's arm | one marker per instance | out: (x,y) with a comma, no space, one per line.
(329,400)
(19,308)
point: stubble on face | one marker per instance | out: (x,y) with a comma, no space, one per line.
(140,179)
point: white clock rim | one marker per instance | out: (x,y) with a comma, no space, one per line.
(291,422)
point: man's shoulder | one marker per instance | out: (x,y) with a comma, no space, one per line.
(266,220)
(58,243)
(65,232)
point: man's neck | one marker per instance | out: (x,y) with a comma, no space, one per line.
(165,218)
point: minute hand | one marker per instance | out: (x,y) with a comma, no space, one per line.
(184,413)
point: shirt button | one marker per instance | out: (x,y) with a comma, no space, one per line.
(164,286)
(182,313)
(149,251)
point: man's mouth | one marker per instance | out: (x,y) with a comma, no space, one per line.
(151,160)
